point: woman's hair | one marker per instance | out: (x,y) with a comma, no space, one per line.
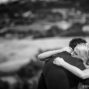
(74,42)
(82,50)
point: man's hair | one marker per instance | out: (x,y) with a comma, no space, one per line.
(74,42)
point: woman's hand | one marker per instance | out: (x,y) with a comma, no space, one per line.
(59,61)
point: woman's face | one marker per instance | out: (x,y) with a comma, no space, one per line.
(82,51)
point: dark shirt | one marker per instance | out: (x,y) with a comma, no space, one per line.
(73,80)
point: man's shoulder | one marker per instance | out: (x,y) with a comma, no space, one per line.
(64,53)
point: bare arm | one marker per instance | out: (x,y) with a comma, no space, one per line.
(45,55)
(83,74)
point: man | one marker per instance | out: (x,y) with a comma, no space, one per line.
(56,77)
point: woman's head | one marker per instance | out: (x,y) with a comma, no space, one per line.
(82,51)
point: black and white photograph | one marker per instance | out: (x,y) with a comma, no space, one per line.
(44,44)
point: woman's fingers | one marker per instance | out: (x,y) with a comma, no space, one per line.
(58,61)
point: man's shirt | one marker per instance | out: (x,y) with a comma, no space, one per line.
(49,66)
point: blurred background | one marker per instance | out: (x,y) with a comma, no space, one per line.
(30,27)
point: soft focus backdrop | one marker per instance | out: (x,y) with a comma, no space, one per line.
(30,27)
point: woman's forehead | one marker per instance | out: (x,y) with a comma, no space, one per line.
(82,47)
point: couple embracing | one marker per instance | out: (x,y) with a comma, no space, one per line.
(67,68)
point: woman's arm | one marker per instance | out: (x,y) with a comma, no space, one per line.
(76,71)
(45,55)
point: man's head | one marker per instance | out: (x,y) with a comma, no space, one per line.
(76,41)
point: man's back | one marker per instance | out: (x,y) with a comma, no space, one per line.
(51,71)
(68,58)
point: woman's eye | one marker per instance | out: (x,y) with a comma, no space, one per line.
(87,62)
(75,53)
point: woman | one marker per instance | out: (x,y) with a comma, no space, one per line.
(82,52)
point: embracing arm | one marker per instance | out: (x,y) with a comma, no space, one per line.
(76,71)
(83,74)
(44,55)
